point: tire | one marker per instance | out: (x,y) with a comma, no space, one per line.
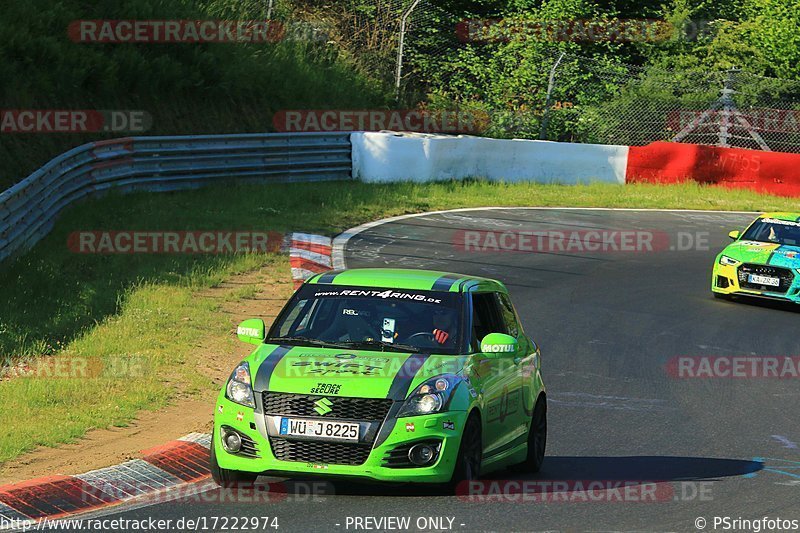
(228,478)
(537,437)
(470,454)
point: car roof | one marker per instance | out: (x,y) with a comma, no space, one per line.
(792,217)
(407,279)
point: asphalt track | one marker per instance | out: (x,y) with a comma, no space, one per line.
(608,322)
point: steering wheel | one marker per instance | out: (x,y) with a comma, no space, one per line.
(428,334)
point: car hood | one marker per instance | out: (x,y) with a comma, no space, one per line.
(358,373)
(764,253)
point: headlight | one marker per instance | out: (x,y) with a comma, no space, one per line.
(431,396)
(725,260)
(239,389)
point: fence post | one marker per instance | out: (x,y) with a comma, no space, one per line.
(728,108)
(399,70)
(547,100)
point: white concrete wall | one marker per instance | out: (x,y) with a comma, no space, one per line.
(388,156)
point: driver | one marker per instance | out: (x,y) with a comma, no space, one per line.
(774,233)
(442,325)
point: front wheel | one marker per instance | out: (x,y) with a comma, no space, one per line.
(470,454)
(537,437)
(228,478)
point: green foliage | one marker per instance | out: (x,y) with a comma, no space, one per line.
(187,88)
(682,69)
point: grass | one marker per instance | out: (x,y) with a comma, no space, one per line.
(144,308)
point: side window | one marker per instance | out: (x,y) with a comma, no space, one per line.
(297,320)
(486,317)
(509,316)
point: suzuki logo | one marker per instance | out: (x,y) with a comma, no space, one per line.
(323,406)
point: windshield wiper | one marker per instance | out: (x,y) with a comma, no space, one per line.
(307,340)
(381,344)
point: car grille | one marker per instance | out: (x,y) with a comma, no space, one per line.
(335,453)
(342,408)
(784,274)
(249,447)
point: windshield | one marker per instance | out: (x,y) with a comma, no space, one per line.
(371,318)
(775,231)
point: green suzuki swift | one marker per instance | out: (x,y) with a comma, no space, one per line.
(388,375)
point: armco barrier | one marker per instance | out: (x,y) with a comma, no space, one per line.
(665,162)
(381,156)
(29,208)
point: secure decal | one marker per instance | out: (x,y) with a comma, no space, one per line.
(449,424)
(326,388)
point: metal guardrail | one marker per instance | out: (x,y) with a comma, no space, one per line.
(29,208)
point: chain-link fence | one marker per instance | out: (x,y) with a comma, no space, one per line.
(643,105)
(550,94)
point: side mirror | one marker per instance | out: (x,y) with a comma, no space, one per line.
(496,345)
(734,235)
(252,330)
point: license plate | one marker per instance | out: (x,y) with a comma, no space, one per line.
(764,280)
(321,429)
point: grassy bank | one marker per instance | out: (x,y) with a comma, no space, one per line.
(186,88)
(58,304)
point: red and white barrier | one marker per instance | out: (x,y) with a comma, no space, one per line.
(309,255)
(390,156)
(665,162)
(171,466)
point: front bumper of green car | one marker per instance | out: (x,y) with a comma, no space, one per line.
(386,461)
(725,279)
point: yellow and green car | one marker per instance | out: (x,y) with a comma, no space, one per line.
(388,375)
(763,261)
